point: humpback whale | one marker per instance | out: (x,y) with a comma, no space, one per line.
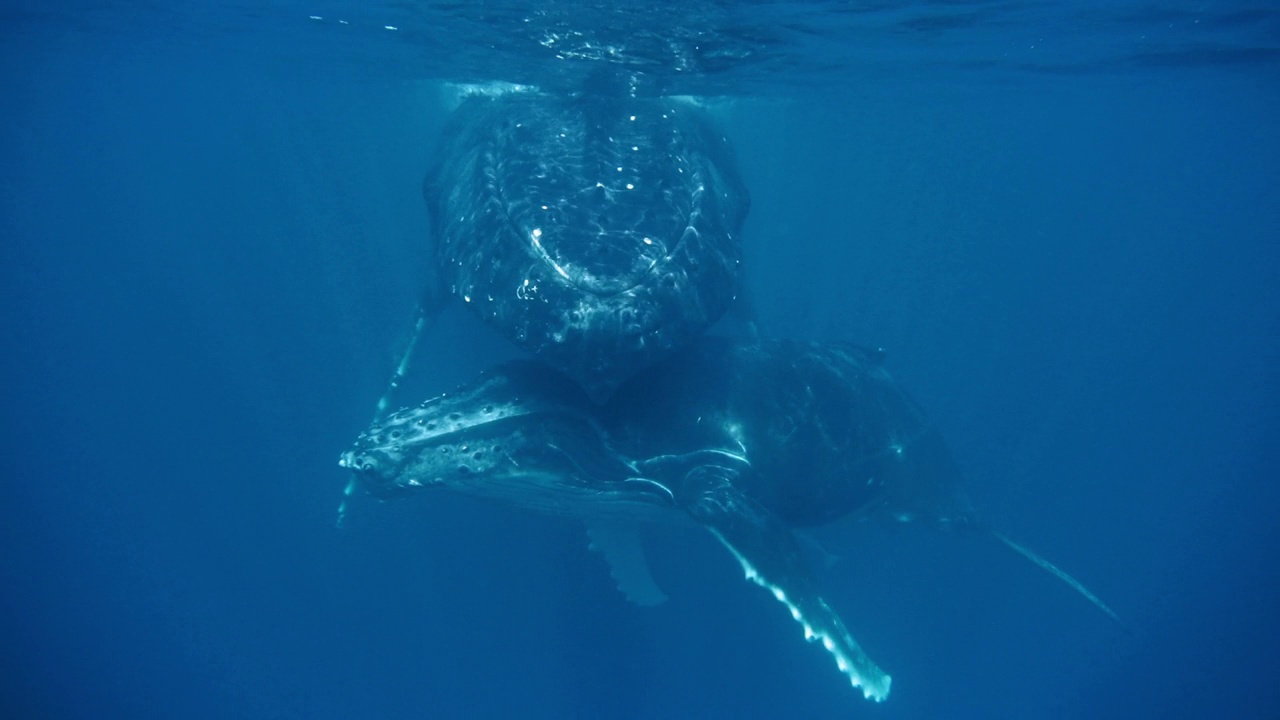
(597,231)
(749,439)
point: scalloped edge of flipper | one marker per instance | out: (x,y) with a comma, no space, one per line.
(619,542)
(821,623)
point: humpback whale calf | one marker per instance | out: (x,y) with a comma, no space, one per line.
(749,439)
(598,231)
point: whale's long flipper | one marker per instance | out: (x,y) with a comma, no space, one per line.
(772,559)
(426,313)
(1058,573)
(402,368)
(619,541)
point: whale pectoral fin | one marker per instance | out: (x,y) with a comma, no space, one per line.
(619,542)
(816,550)
(771,558)
(1071,582)
(422,319)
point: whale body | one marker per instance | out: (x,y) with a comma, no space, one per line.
(751,439)
(598,232)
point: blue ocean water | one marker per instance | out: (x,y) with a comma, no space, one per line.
(1061,224)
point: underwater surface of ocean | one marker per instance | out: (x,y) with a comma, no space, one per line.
(1060,220)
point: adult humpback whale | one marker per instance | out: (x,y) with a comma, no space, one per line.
(598,231)
(748,439)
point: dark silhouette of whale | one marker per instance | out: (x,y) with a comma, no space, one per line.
(597,231)
(749,439)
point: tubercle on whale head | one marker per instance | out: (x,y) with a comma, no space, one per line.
(521,433)
(403,450)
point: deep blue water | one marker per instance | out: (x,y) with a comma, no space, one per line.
(1064,227)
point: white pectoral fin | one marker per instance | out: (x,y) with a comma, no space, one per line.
(619,542)
(772,559)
